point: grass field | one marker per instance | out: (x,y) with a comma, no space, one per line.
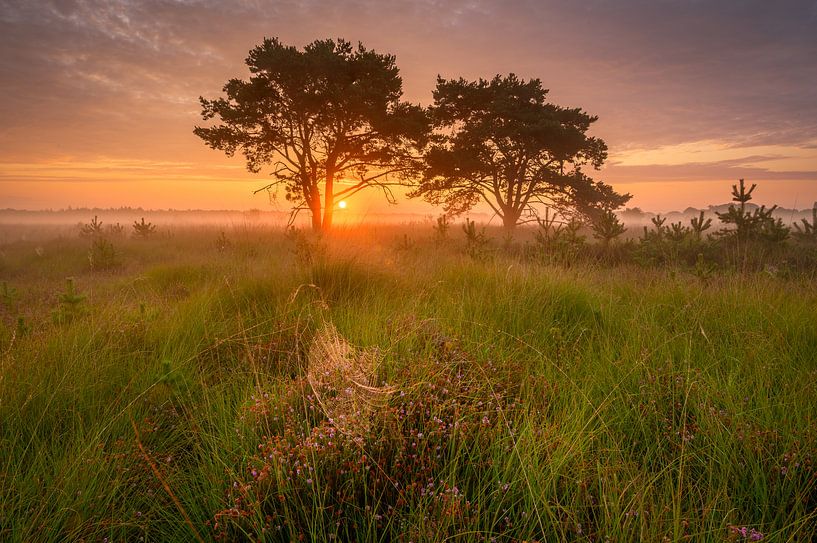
(390,388)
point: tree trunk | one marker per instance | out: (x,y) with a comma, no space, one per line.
(510,219)
(329,200)
(315,211)
(327,213)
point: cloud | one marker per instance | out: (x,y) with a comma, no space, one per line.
(95,79)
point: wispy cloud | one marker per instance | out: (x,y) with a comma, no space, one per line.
(685,90)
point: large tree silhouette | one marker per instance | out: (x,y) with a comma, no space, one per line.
(328,119)
(501,142)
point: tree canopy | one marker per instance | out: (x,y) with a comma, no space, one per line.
(328,119)
(501,142)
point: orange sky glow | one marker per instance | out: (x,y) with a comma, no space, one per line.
(100,98)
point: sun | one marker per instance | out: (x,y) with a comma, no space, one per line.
(342,204)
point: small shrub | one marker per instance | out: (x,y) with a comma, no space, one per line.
(568,242)
(22,328)
(92,229)
(441,229)
(405,244)
(313,473)
(102,255)
(222,243)
(546,232)
(71,304)
(143,230)
(8,296)
(703,269)
(677,232)
(757,224)
(750,238)
(309,249)
(476,242)
(808,232)
(116,230)
(607,227)
(699,225)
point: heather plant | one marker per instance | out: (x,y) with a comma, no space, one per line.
(343,466)
(91,229)
(143,230)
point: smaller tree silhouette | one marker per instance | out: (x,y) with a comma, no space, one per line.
(92,229)
(607,227)
(441,228)
(677,232)
(143,229)
(809,230)
(750,225)
(476,241)
(700,225)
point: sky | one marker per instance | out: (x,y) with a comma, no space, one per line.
(99,98)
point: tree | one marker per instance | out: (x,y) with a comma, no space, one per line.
(607,227)
(327,118)
(809,230)
(757,224)
(501,142)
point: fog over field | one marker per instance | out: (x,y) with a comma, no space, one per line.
(387,271)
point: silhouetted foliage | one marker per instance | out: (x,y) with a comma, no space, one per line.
(699,225)
(222,243)
(607,227)
(405,244)
(327,115)
(441,228)
(102,255)
(70,304)
(142,229)
(476,241)
(677,232)
(308,250)
(751,225)
(501,142)
(8,296)
(809,230)
(548,230)
(91,229)
(116,229)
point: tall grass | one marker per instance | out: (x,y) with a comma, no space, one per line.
(526,402)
